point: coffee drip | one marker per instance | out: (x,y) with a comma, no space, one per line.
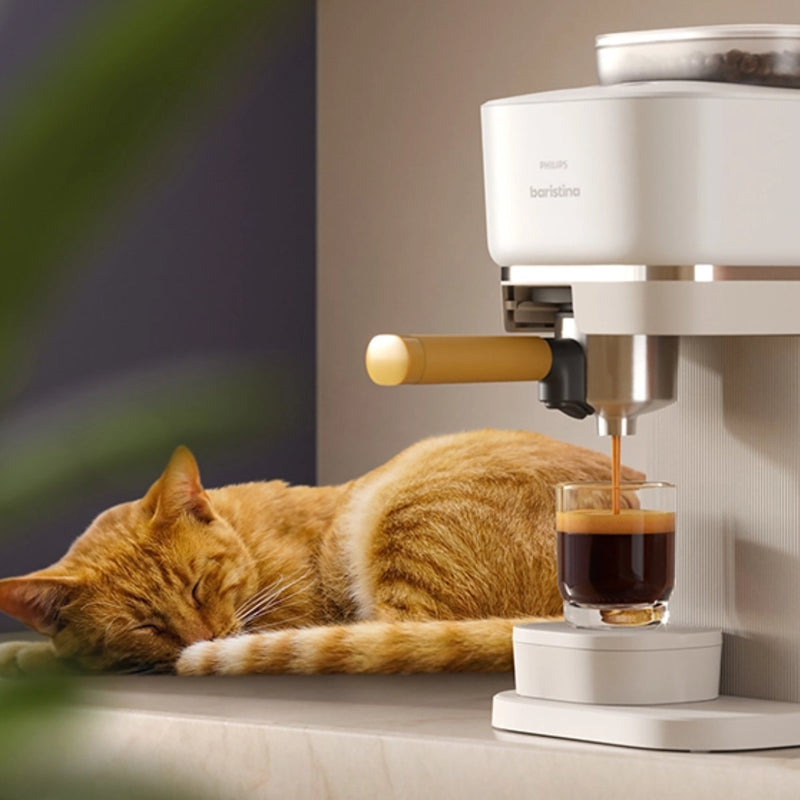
(616,469)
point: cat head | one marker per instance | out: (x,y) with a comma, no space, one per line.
(146,579)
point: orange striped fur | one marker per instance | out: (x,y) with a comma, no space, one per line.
(423,564)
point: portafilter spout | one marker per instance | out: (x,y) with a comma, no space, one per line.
(627,376)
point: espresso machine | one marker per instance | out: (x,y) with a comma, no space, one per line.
(624,216)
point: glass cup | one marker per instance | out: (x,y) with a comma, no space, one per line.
(616,553)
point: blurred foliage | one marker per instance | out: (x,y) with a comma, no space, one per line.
(74,139)
(26,707)
(42,757)
(55,450)
(73,144)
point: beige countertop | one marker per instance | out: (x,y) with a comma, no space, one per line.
(366,736)
(376,736)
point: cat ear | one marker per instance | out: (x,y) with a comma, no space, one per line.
(36,600)
(179,490)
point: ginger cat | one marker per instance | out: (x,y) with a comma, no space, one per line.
(423,564)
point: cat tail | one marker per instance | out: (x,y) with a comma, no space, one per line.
(479,645)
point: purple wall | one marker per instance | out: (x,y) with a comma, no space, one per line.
(208,269)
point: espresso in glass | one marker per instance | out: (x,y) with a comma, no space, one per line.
(616,556)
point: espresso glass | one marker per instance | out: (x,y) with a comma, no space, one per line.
(616,553)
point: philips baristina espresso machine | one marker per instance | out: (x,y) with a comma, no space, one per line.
(657,205)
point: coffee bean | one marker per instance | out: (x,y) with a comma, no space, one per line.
(749,63)
(733,57)
(736,66)
(771,68)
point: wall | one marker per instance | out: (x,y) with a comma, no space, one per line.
(188,318)
(402,248)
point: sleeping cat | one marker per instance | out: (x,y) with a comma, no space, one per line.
(423,564)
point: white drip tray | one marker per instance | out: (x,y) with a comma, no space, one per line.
(624,666)
(727,723)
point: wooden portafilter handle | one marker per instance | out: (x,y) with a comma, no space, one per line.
(393,360)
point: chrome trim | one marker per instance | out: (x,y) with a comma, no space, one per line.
(567,274)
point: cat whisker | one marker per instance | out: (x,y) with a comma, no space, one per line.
(263,600)
(256,609)
(259,613)
(275,600)
(271,589)
(265,607)
(252,562)
(262,593)
(286,598)
(305,579)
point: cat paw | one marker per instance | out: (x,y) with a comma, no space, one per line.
(197,659)
(222,657)
(27,658)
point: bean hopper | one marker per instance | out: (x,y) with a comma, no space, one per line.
(623,216)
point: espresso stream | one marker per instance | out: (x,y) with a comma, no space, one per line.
(616,469)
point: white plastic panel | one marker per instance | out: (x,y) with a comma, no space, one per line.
(727,723)
(643,174)
(688,308)
(731,445)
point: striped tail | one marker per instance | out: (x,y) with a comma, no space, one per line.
(480,645)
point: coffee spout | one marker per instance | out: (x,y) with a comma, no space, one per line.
(627,376)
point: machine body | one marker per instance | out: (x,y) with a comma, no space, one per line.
(622,218)
(626,216)
(659,173)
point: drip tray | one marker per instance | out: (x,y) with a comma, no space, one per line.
(726,723)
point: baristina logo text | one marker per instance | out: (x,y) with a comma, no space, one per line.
(553,191)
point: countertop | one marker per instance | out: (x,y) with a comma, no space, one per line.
(372,736)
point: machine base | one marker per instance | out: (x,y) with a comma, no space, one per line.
(727,723)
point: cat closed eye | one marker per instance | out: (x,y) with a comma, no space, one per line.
(196,592)
(150,629)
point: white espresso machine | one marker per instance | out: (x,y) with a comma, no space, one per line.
(623,216)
